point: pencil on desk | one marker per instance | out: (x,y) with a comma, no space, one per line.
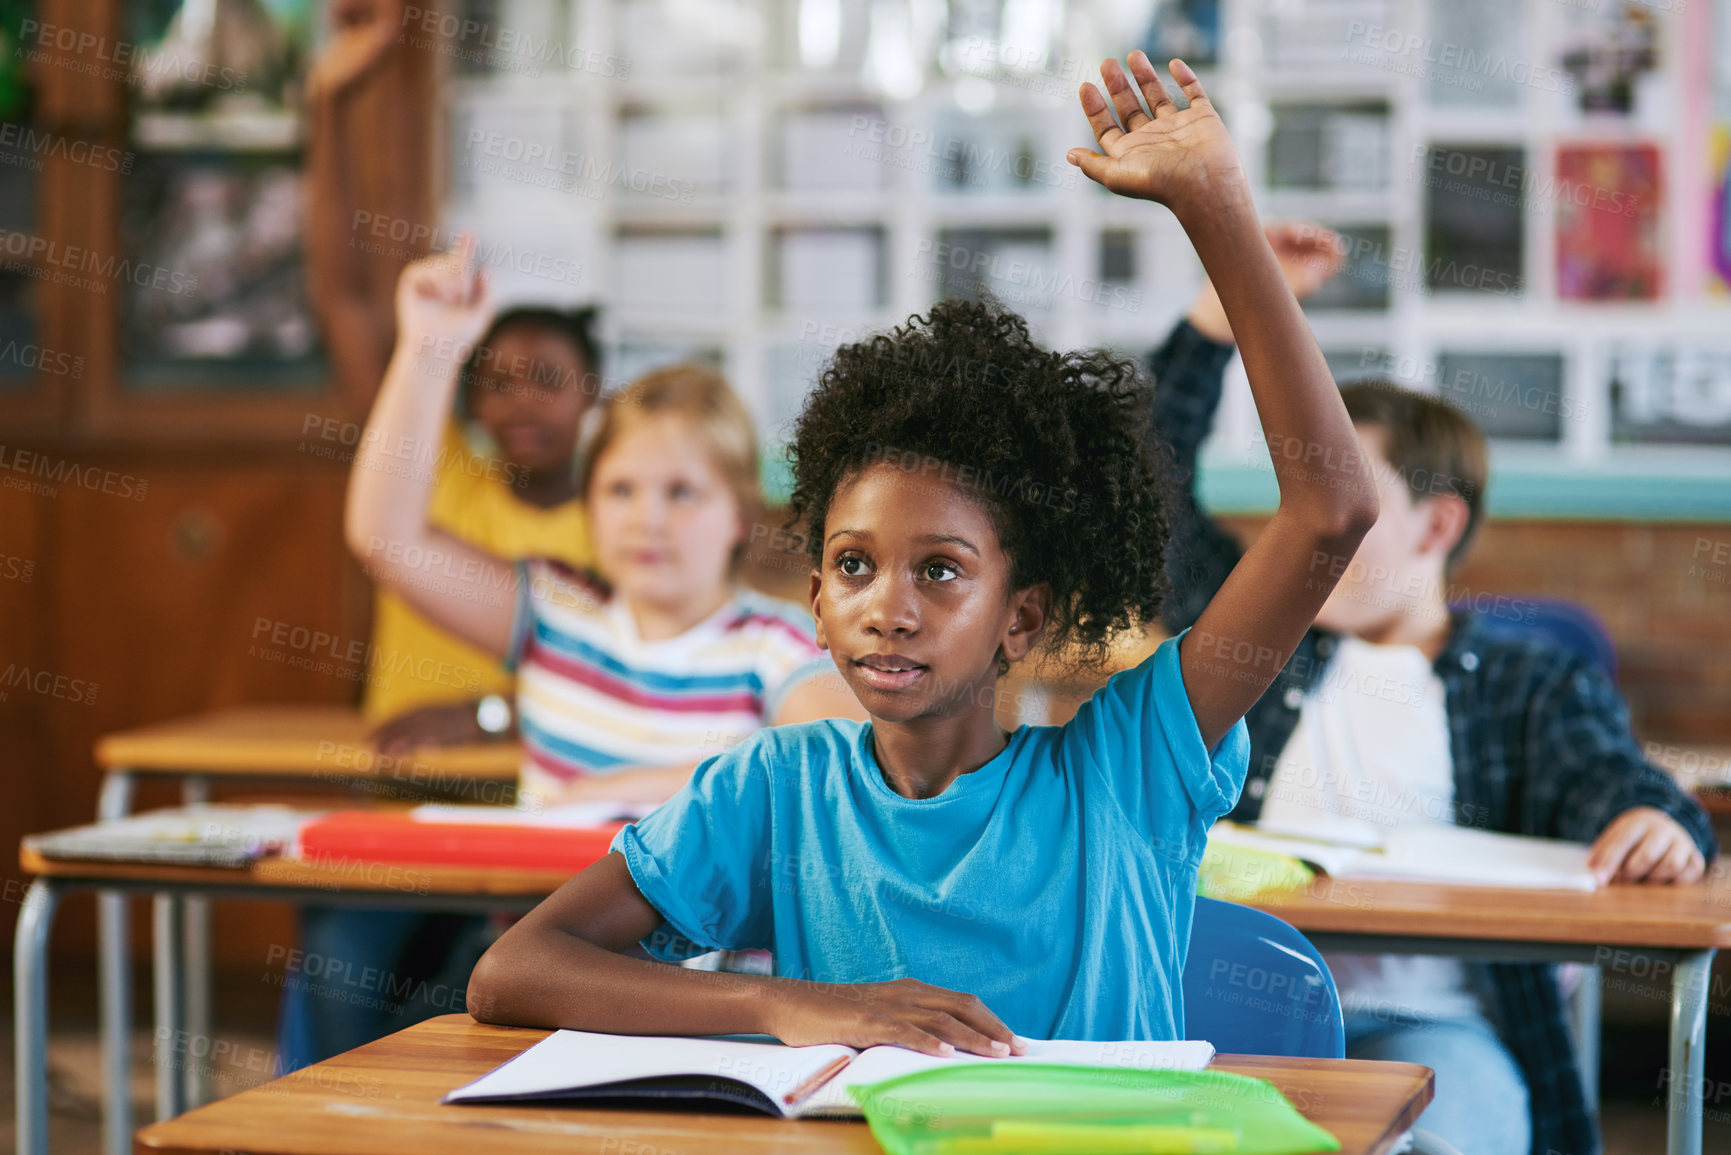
(810,1086)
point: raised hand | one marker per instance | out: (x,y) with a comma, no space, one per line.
(362,33)
(1178,157)
(905,1013)
(1309,255)
(443,298)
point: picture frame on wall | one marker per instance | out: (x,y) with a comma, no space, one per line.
(1609,199)
(1669,392)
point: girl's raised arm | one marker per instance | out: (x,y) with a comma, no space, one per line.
(443,308)
(1184,159)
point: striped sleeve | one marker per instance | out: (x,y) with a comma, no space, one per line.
(785,651)
(544,583)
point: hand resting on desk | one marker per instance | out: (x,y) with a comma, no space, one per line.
(1644,844)
(451,724)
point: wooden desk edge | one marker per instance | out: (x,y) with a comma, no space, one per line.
(198,1133)
(459,762)
(273,738)
(418,879)
(1624,915)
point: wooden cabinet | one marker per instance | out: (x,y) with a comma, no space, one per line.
(161,584)
(169,543)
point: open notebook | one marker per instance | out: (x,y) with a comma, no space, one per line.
(1423,853)
(793,1082)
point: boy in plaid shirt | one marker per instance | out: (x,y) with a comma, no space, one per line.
(1396,709)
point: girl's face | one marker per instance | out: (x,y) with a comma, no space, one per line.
(531,394)
(663,519)
(913,596)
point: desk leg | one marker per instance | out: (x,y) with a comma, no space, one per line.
(1584,1008)
(172,1044)
(1690,985)
(195,791)
(30,1014)
(114,951)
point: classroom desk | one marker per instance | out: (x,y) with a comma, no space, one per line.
(383,1099)
(325,744)
(325,883)
(1682,926)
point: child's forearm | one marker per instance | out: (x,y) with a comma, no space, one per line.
(558,968)
(1316,456)
(549,978)
(396,463)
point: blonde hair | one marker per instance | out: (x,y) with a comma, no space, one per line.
(707,403)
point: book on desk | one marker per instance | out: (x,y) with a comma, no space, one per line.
(558,838)
(237,835)
(1459,855)
(790,1082)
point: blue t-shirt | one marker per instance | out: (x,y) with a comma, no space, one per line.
(1056,882)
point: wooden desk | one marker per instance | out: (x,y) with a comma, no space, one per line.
(374,881)
(383,1098)
(1694,917)
(1643,932)
(1679,926)
(298,743)
(324,882)
(288,741)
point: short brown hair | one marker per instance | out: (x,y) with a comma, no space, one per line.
(704,399)
(1434,447)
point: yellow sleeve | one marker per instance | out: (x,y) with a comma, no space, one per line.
(415,663)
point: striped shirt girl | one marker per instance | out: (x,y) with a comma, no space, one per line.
(595,698)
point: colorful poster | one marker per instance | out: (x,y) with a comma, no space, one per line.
(1612,55)
(1719,211)
(1608,204)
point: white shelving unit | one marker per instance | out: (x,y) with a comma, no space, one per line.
(737,181)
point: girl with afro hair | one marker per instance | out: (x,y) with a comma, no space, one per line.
(925,878)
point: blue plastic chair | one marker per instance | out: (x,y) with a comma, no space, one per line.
(1562,623)
(1253,985)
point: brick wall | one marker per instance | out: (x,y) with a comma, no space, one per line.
(1657,588)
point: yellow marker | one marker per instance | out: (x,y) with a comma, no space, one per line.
(1033,1138)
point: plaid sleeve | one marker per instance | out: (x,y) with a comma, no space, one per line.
(1584,765)
(1188,371)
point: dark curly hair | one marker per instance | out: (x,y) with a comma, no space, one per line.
(1057,445)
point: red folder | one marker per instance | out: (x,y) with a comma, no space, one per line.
(387,836)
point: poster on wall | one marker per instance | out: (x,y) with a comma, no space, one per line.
(1719,210)
(1611,52)
(1608,202)
(1717,247)
(1674,392)
(1185,28)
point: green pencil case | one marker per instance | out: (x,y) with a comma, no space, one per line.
(1042,1109)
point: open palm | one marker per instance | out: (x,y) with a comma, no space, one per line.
(1175,156)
